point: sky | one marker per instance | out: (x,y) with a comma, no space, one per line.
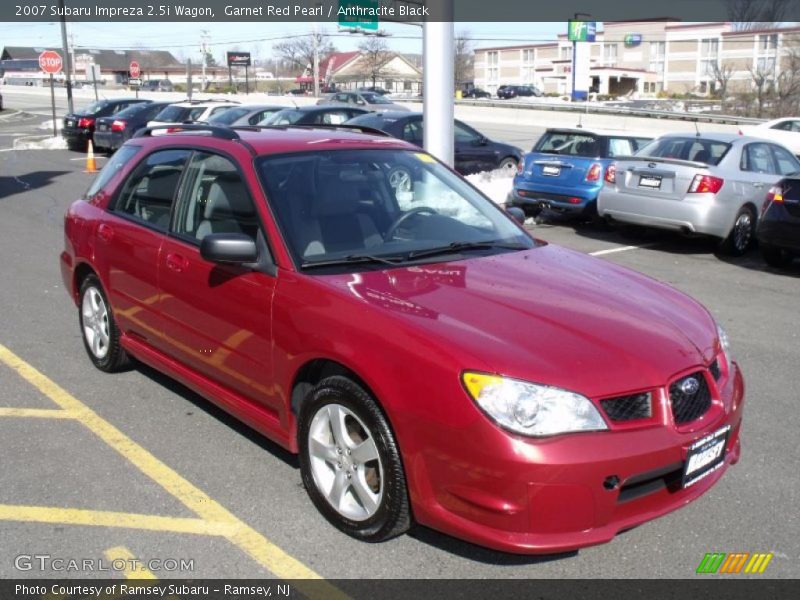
(183,39)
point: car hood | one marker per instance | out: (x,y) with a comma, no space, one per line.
(549,315)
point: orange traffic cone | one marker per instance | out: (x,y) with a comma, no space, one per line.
(91,165)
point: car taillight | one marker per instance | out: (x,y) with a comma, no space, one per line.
(611,173)
(594,172)
(775,194)
(118,125)
(85,122)
(705,184)
(173,129)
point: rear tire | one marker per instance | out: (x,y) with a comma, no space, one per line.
(742,234)
(775,256)
(350,463)
(99,330)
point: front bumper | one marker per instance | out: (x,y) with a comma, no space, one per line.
(782,233)
(542,496)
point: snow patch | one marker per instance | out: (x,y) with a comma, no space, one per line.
(38,143)
(495,184)
(48,125)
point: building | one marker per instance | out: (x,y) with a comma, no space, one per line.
(351,70)
(645,58)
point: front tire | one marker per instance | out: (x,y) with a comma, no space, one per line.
(742,234)
(350,463)
(775,256)
(100,334)
(508,165)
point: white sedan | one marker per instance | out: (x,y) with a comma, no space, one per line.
(785,131)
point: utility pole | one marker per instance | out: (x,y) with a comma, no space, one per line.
(205,38)
(438,49)
(315,66)
(65,48)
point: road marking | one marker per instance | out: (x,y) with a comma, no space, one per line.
(247,539)
(125,555)
(620,249)
(38,413)
(102,518)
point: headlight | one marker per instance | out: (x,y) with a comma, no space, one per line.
(532,409)
(725,343)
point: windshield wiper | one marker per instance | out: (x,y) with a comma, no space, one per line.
(462,246)
(354,259)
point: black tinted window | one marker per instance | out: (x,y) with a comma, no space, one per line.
(568,143)
(173,114)
(229,116)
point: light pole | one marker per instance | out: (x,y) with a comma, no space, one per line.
(204,39)
(65,48)
(438,88)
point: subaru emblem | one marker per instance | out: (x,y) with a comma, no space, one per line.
(651,165)
(689,386)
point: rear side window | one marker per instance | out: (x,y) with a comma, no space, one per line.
(568,144)
(709,152)
(412,132)
(757,158)
(118,160)
(147,194)
(229,116)
(173,114)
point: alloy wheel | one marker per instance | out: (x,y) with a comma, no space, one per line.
(95,322)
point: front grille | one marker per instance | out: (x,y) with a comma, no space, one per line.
(716,373)
(628,408)
(689,404)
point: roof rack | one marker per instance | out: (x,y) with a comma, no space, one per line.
(343,127)
(216,131)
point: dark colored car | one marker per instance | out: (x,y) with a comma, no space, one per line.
(299,92)
(513,91)
(79,126)
(326,114)
(476,93)
(111,132)
(376,90)
(427,358)
(474,152)
(567,168)
(778,230)
(157,85)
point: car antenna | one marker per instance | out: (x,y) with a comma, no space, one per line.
(580,120)
(696,128)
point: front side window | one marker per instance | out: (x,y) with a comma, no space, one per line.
(389,204)
(115,164)
(464,134)
(786,163)
(147,194)
(213,199)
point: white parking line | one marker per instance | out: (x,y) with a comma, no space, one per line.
(620,249)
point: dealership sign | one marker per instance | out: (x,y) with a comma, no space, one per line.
(582,31)
(633,39)
(239,59)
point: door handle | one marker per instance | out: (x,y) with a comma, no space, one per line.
(176,262)
(758,186)
(105,232)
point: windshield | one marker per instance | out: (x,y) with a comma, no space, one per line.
(390,204)
(709,152)
(229,116)
(373,98)
(568,143)
(288,116)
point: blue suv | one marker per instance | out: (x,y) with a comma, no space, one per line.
(566,169)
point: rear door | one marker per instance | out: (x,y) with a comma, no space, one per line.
(760,171)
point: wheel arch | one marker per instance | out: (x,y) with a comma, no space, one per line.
(82,271)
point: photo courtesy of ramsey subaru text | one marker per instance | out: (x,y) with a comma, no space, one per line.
(428,359)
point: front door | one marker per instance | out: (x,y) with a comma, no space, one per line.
(217,318)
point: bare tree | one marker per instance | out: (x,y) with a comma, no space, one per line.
(722,74)
(298,53)
(375,57)
(463,69)
(749,15)
(762,78)
(787,85)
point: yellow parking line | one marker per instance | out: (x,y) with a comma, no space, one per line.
(125,555)
(101,518)
(39,413)
(247,539)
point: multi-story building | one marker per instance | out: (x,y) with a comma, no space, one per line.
(648,57)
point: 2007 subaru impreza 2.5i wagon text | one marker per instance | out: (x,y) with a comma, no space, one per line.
(427,358)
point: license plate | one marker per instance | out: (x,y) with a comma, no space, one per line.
(70,123)
(650,182)
(705,456)
(551,171)
(103,127)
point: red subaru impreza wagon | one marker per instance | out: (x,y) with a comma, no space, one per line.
(361,304)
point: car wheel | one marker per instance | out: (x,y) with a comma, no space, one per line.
(775,256)
(741,236)
(508,165)
(350,463)
(400,179)
(98,328)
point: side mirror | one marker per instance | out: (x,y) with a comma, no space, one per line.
(229,248)
(516,213)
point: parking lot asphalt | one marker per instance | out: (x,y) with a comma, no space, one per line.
(133,464)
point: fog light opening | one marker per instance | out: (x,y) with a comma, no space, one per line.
(611,482)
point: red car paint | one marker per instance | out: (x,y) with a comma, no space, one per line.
(546,315)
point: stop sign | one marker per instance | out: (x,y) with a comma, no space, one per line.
(134,69)
(50,62)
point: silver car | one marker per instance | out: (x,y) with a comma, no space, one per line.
(712,184)
(369,100)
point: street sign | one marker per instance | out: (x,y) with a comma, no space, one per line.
(359,14)
(134,69)
(134,82)
(239,59)
(50,62)
(582,31)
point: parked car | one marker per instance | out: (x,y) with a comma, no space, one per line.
(513,91)
(778,230)
(78,127)
(1,101)
(566,169)
(111,132)
(476,93)
(785,131)
(710,184)
(377,90)
(328,114)
(157,85)
(426,358)
(474,152)
(247,114)
(299,92)
(368,100)
(189,112)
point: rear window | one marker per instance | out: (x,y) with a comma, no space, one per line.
(374,120)
(93,108)
(173,114)
(229,116)
(134,109)
(284,117)
(709,152)
(568,144)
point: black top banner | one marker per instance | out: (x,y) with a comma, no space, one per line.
(405,11)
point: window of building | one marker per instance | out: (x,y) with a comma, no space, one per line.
(493,68)
(657,54)
(528,70)
(767,54)
(610,55)
(768,42)
(565,52)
